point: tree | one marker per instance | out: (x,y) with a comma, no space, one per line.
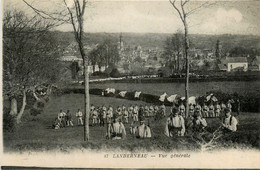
(173,50)
(181,8)
(72,12)
(29,57)
(217,53)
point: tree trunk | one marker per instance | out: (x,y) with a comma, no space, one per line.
(86,100)
(187,67)
(20,114)
(13,111)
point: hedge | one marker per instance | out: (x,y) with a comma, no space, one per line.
(248,102)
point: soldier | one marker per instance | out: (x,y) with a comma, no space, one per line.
(229,122)
(229,106)
(125,115)
(151,110)
(199,123)
(133,128)
(135,111)
(156,109)
(182,110)
(92,107)
(205,110)
(191,110)
(109,115)
(217,109)
(146,110)
(163,109)
(94,117)
(175,124)
(130,111)
(118,111)
(123,107)
(60,118)
(79,116)
(223,107)
(69,118)
(197,107)
(211,110)
(118,129)
(143,131)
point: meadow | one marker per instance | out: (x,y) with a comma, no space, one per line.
(35,132)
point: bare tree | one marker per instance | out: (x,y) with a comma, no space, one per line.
(181,7)
(29,57)
(73,12)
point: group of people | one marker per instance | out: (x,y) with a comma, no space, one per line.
(65,119)
(178,125)
(138,116)
(211,110)
(100,115)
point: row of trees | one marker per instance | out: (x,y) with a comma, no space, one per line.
(105,54)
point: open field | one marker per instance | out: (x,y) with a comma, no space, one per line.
(196,88)
(35,133)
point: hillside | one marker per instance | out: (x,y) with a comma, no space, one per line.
(152,40)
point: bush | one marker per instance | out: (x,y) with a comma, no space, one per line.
(35,112)
(40,105)
(8,122)
(248,102)
(100,74)
(115,73)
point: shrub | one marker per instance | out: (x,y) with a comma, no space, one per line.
(115,73)
(8,122)
(40,105)
(35,112)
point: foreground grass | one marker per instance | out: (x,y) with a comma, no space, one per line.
(36,134)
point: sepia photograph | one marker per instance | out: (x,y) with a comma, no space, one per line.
(130,84)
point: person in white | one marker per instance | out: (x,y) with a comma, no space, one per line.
(182,110)
(125,115)
(118,130)
(143,130)
(217,109)
(135,112)
(229,122)
(79,116)
(175,125)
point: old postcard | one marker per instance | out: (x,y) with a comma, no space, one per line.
(130,84)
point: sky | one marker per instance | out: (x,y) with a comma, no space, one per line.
(158,16)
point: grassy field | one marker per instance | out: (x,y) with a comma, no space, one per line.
(35,133)
(196,88)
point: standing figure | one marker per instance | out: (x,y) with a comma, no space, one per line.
(151,110)
(229,106)
(191,110)
(175,125)
(223,107)
(182,110)
(211,110)
(69,118)
(136,110)
(94,117)
(197,107)
(79,116)
(130,111)
(205,110)
(217,109)
(163,109)
(125,115)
